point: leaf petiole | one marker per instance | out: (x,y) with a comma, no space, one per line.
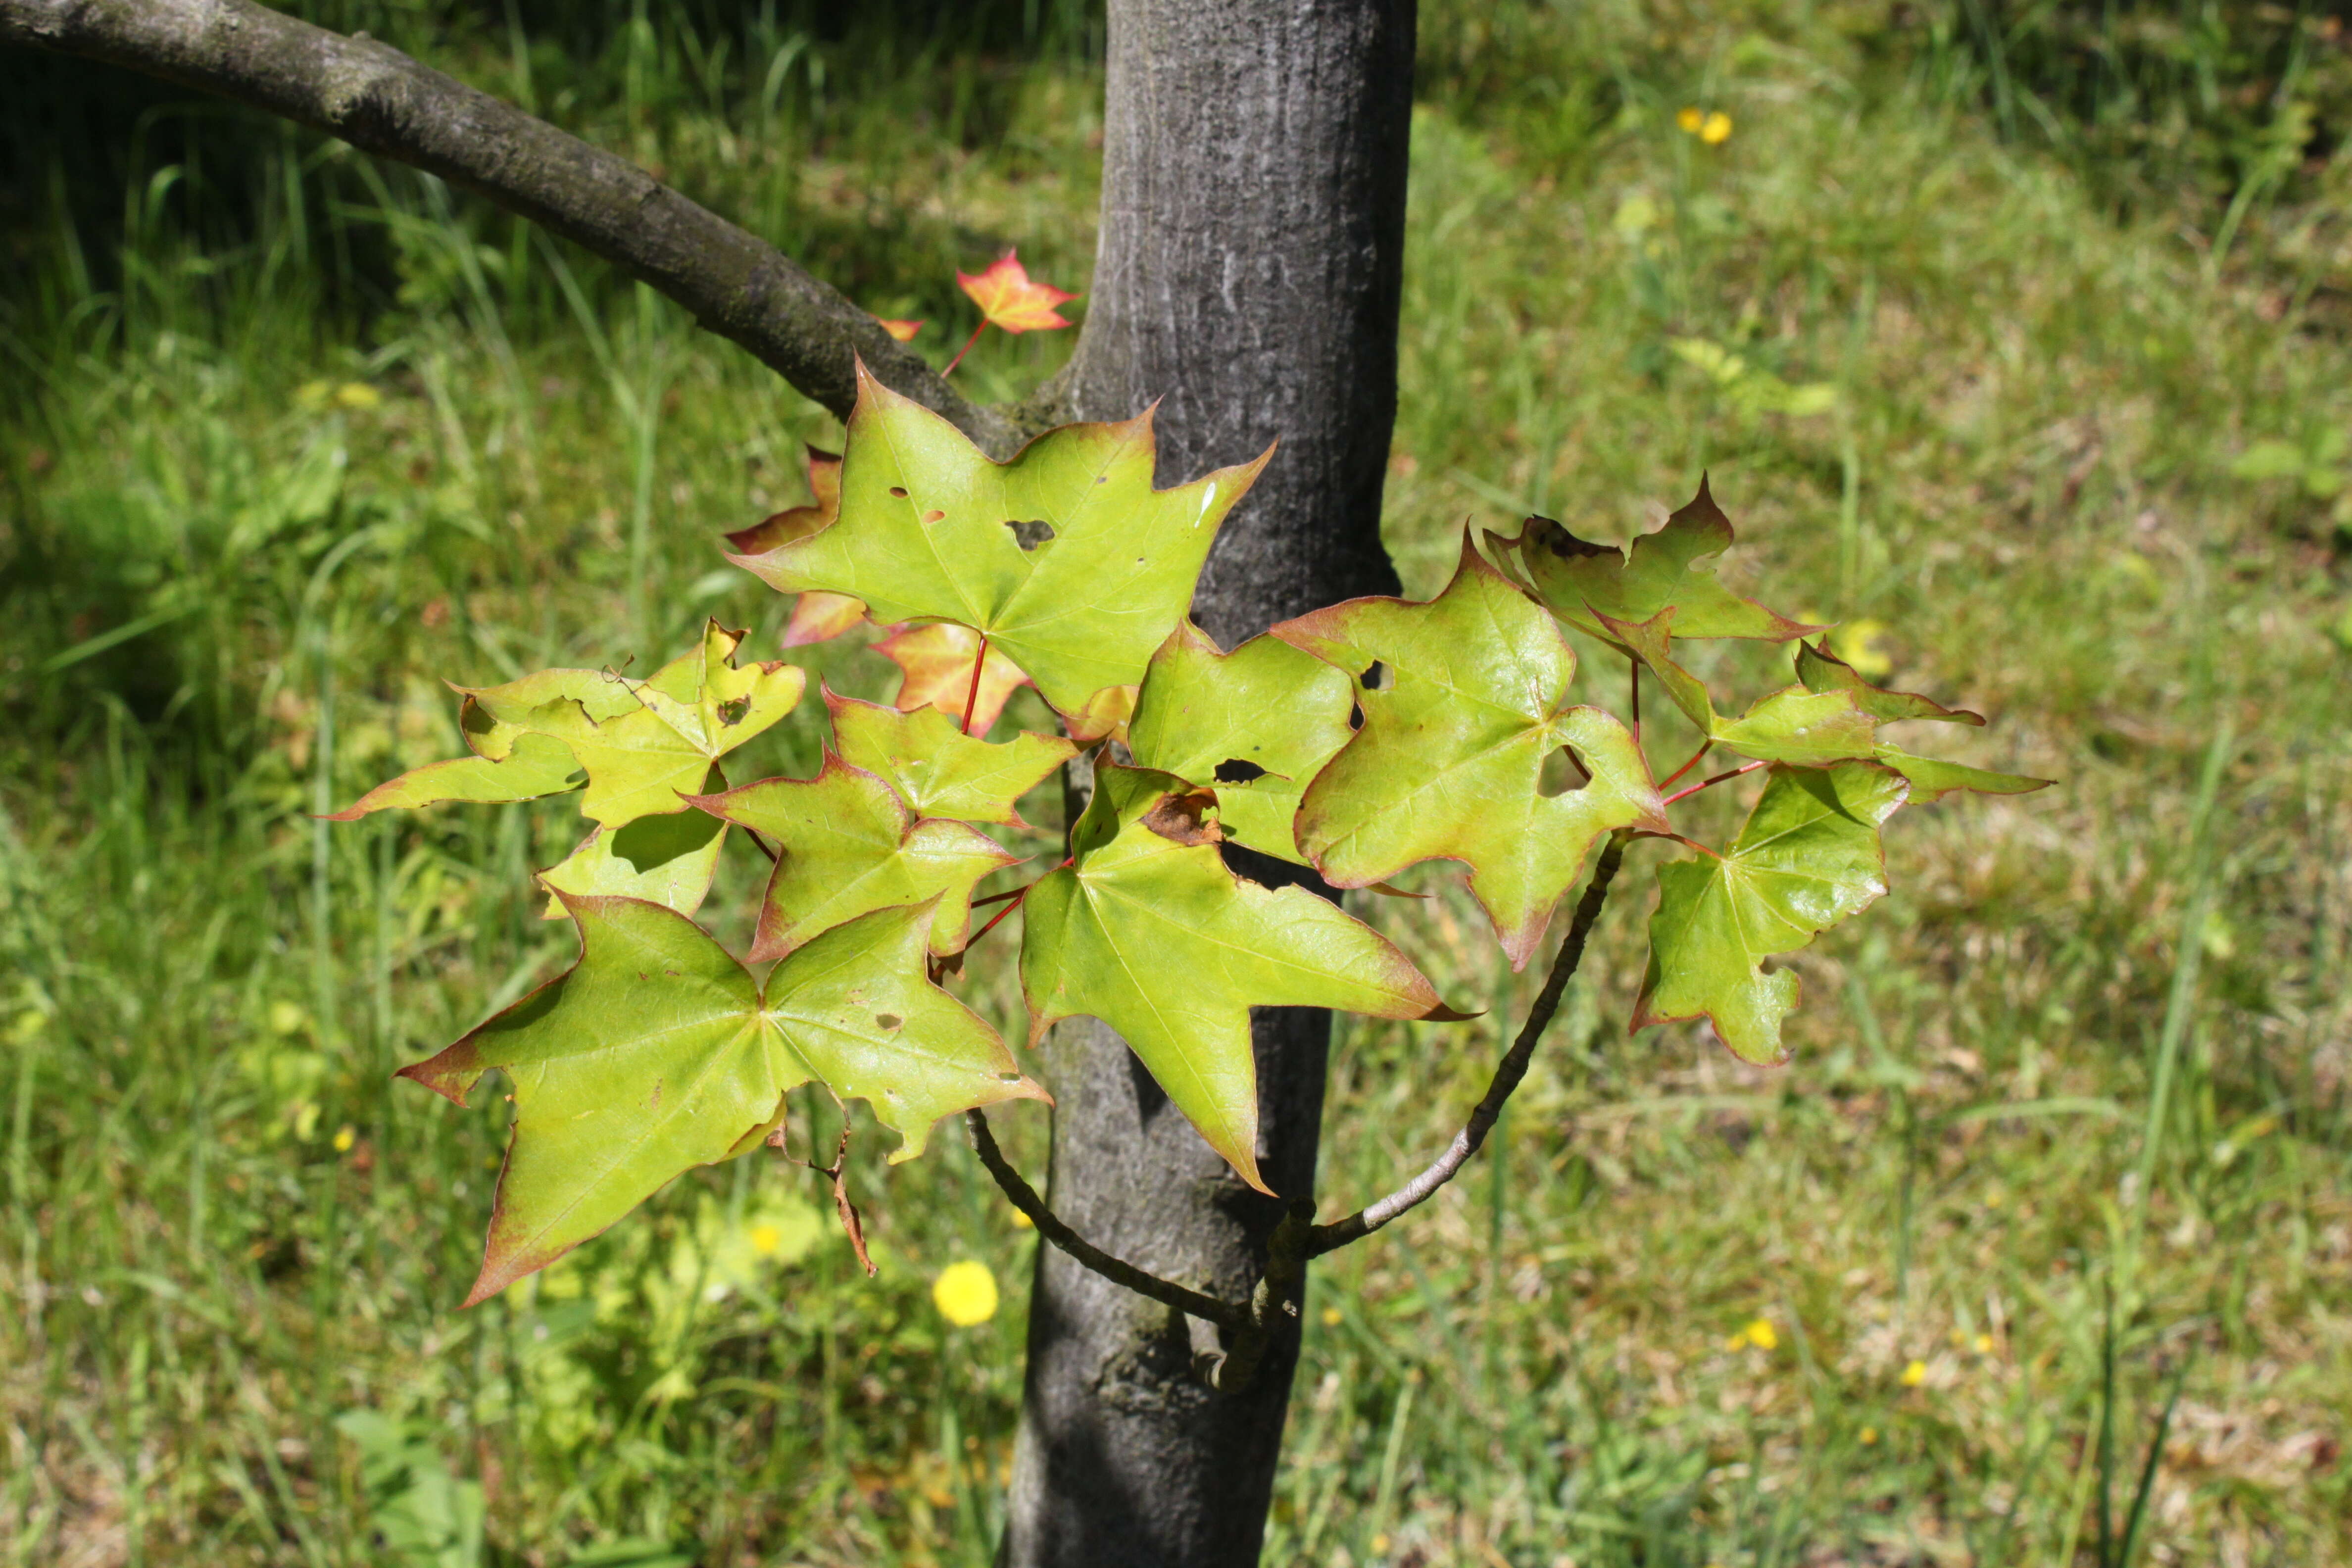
(1704,748)
(1710,782)
(965,349)
(971,697)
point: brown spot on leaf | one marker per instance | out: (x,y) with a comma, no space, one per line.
(1183,818)
(899,491)
(933,516)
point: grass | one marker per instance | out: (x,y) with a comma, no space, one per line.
(301,437)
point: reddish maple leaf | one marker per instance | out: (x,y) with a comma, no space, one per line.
(818,617)
(937,663)
(903,330)
(1011,299)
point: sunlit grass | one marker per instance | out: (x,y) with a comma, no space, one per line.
(1683,1312)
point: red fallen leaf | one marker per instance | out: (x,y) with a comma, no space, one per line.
(1010,300)
(903,330)
(937,663)
(818,617)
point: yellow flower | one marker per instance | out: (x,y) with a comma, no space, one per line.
(1761,1334)
(1022,1222)
(1716,131)
(359,394)
(344,1138)
(1332,1318)
(1869,1435)
(1984,1344)
(965,1293)
(1856,642)
(767,1239)
(1691,120)
(1380,1544)
(1915,1374)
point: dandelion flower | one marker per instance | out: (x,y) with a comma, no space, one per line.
(1332,1318)
(767,1238)
(1716,131)
(965,1293)
(1915,1374)
(1691,120)
(1869,1435)
(1984,1344)
(1761,1334)
(344,1138)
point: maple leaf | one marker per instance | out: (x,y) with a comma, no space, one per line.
(1103,716)
(667,860)
(1010,301)
(937,768)
(1821,670)
(1582,583)
(935,666)
(1065,558)
(1449,763)
(817,617)
(658,1052)
(1254,725)
(689,713)
(1148,930)
(1808,857)
(537,765)
(847,844)
(902,331)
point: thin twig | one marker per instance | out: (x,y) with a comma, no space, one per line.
(1508,1073)
(1208,1308)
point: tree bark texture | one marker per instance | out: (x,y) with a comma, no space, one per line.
(1249,278)
(382,101)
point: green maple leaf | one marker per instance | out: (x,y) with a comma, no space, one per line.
(1669,569)
(1148,930)
(1932,779)
(533,767)
(1065,558)
(937,769)
(658,1052)
(518,733)
(1810,729)
(667,860)
(1254,725)
(1450,761)
(845,844)
(1808,857)
(688,714)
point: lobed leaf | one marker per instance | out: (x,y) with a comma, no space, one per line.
(657,1052)
(1586,584)
(1148,930)
(1011,299)
(845,844)
(533,767)
(817,618)
(1822,670)
(1931,780)
(1808,857)
(937,768)
(1450,761)
(1254,724)
(1065,558)
(689,713)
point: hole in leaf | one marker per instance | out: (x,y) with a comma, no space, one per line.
(1237,771)
(732,710)
(1355,715)
(1561,773)
(1031,534)
(887,1020)
(899,491)
(1375,676)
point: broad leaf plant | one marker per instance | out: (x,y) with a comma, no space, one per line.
(1358,741)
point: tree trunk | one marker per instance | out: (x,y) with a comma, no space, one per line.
(1253,232)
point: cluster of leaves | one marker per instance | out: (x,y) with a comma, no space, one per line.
(1359,740)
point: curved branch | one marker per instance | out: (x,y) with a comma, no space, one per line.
(1507,1074)
(1208,1308)
(382,101)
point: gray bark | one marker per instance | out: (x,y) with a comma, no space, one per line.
(1249,272)
(382,101)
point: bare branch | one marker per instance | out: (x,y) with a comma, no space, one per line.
(1208,1308)
(380,100)
(1507,1074)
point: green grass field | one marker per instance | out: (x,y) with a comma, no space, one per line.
(2035,373)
